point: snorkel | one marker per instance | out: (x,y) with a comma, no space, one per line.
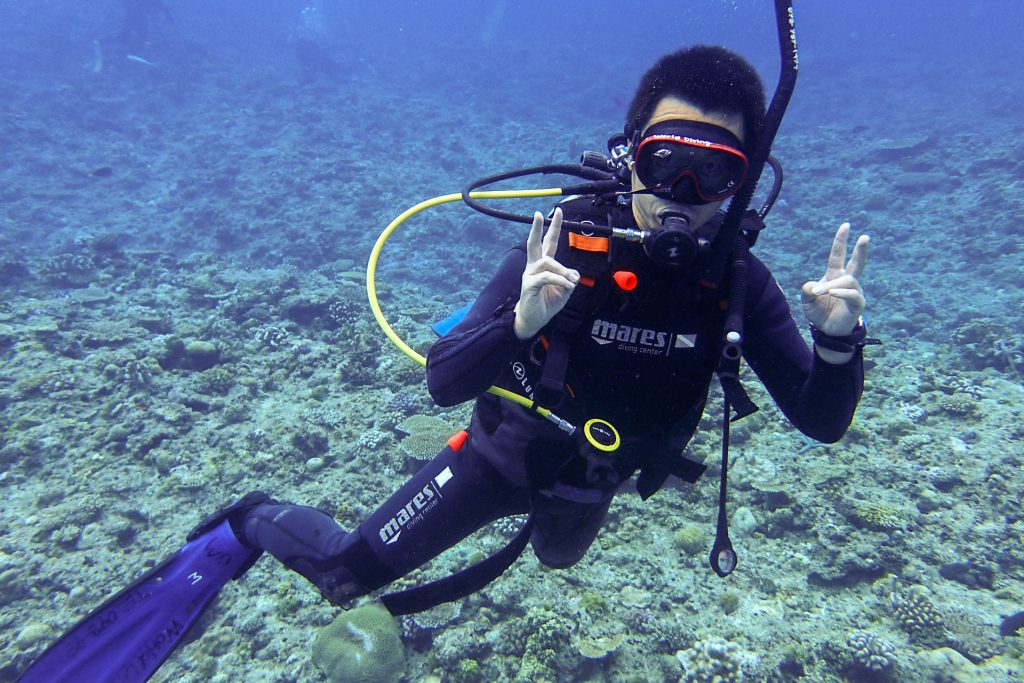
(729,241)
(607,178)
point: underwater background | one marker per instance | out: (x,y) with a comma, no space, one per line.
(184,229)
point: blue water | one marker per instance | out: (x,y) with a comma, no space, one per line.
(224,177)
(418,81)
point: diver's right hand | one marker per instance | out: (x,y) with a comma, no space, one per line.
(547,284)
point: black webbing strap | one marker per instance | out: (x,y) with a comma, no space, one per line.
(550,391)
(734,392)
(732,341)
(651,479)
(461,583)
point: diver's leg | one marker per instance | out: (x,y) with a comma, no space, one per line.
(564,530)
(452,496)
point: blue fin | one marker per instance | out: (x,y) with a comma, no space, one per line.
(444,326)
(130,635)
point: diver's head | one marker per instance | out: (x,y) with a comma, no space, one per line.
(700,98)
(691,157)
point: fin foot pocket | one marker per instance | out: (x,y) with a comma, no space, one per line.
(235,514)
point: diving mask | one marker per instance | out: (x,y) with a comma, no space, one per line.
(690,162)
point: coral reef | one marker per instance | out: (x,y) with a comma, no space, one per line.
(876,515)
(914,611)
(959,404)
(691,539)
(372,440)
(972,637)
(871,654)
(404,402)
(362,645)
(599,647)
(419,628)
(425,436)
(183,318)
(344,312)
(69,270)
(271,337)
(714,660)
(988,342)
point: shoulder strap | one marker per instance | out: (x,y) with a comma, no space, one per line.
(549,391)
(590,256)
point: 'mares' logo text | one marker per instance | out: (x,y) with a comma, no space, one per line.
(412,511)
(640,339)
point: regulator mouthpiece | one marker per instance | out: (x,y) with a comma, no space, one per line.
(676,245)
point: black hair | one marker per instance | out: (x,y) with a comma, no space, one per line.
(707,76)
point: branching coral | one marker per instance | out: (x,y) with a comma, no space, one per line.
(989,343)
(426,435)
(871,653)
(877,516)
(918,616)
(712,661)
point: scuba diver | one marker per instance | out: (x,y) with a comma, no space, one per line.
(623,338)
(638,349)
(310,42)
(140,19)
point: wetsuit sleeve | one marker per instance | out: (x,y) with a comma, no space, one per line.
(465,362)
(817,397)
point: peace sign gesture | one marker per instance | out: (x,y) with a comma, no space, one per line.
(547,284)
(834,303)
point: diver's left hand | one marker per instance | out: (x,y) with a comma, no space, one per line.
(834,303)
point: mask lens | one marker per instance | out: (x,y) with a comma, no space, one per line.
(697,170)
(718,173)
(659,164)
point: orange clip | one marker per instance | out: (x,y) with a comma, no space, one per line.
(458,440)
(625,280)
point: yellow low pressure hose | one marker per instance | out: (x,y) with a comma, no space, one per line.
(371,283)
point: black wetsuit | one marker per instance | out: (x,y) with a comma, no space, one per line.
(640,360)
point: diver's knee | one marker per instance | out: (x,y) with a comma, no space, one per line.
(558,558)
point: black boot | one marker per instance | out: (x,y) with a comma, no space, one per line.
(236,513)
(310,542)
(304,539)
